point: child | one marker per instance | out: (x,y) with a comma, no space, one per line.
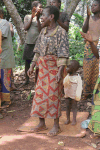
(72,89)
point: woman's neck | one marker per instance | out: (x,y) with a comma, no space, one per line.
(97,15)
(52,25)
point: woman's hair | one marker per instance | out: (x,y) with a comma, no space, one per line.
(53,10)
(35,3)
(1,11)
(59,1)
(98,1)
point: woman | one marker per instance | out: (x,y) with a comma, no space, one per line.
(94,124)
(33,27)
(63,20)
(90,64)
(7,61)
(51,53)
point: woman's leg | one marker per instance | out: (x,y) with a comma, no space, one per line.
(27,66)
(56,128)
(68,108)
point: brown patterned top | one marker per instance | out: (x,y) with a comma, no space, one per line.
(55,44)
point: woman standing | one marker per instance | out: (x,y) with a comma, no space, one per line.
(7,61)
(51,53)
(33,27)
(90,64)
(63,20)
(94,124)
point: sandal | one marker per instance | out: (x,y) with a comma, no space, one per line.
(33,130)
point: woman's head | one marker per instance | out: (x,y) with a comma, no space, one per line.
(1,13)
(56,3)
(50,13)
(95,8)
(37,5)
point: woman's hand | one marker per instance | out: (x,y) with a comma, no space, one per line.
(88,11)
(59,74)
(33,12)
(31,69)
(87,36)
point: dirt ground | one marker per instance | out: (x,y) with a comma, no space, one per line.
(19,112)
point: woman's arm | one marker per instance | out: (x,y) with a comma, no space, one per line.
(27,23)
(64,25)
(86,24)
(88,37)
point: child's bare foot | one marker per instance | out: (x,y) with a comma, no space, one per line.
(73,123)
(67,122)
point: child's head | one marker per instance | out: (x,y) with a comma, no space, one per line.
(56,3)
(73,66)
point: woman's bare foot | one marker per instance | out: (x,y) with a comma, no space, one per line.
(56,128)
(67,122)
(54,131)
(40,127)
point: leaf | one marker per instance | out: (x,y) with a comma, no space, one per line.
(94,145)
(11,111)
(29,96)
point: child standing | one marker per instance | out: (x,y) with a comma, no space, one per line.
(72,89)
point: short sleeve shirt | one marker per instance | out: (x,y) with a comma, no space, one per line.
(7,54)
(55,44)
(32,32)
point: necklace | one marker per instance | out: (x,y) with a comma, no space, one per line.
(51,28)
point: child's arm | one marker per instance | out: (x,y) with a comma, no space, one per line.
(86,24)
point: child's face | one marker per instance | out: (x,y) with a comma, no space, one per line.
(55,3)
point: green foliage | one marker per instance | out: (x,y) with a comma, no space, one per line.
(76,43)
(18,53)
(78,19)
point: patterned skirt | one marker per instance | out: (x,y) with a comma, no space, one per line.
(5,84)
(47,98)
(94,124)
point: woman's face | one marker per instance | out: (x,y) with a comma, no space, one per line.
(95,7)
(55,3)
(45,18)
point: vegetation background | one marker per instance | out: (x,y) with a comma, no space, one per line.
(76,43)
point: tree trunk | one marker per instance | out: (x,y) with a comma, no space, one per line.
(71,6)
(16,19)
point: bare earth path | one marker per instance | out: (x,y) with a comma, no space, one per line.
(19,112)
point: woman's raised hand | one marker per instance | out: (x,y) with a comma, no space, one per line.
(31,69)
(33,12)
(88,11)
(87,36)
